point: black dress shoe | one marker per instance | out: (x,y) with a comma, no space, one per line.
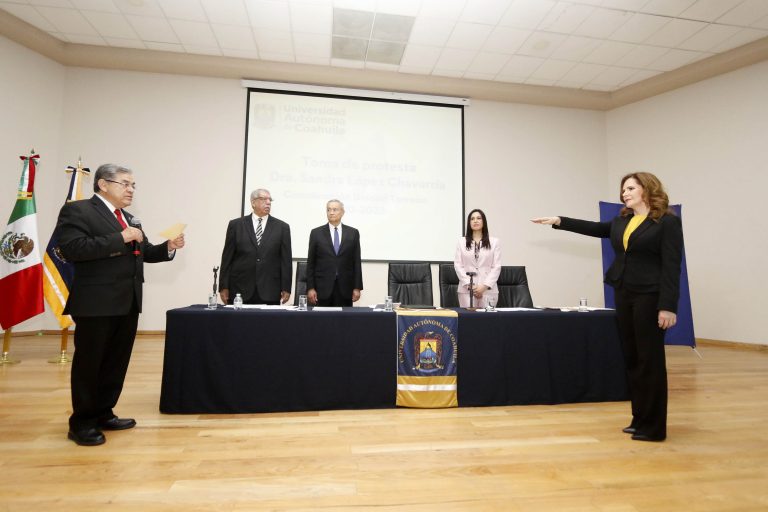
(629,430)
(642,437)
(115,423)
(87,437)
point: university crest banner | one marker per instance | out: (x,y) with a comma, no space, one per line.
(58,273)
(426,358)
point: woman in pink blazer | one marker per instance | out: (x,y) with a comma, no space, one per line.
(479,253)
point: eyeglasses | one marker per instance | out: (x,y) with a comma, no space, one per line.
(265,199)
(123,184)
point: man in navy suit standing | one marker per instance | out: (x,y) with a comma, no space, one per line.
(108,248)
(334,269)
(256,260)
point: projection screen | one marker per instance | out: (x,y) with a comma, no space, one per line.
(398,167)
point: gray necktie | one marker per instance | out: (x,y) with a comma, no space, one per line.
(258,232)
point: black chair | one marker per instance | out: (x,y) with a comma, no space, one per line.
(301,281)
(513,288)
(410,283)
(449,286)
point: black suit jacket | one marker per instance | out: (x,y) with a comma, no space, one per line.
(108,276)
(323,265)
(652,260)
(246,265)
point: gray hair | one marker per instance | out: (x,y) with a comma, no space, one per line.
(335,201)
(108,172)
(256,193)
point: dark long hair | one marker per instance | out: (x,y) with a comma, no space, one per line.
(486,241)
(653,194)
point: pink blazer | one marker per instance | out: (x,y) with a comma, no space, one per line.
(487,267)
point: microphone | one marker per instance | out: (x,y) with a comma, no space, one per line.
(471,274)
(136,223)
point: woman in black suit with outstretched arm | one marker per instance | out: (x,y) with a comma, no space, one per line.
(647,238)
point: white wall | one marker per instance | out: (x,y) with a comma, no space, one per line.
(31,104)
(527,161)
(184,137)
(708,143)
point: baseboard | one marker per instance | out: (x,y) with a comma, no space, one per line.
(51,332)
(730,344)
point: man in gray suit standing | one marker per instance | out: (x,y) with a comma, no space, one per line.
(256,261)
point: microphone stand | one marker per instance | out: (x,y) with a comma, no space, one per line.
(471,289)
(215,270)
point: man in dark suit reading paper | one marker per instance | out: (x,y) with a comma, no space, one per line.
(334,268)
(256,261)
(109,249)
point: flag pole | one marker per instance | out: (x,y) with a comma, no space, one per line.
(63,357)
(5,359)
(21,283)
(58,270)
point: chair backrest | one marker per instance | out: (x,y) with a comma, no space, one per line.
(513,288)
(449,286)
(410,283)
(301,281)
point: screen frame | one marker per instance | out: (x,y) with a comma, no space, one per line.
(460,106)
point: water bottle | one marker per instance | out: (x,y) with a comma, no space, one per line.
(238,302)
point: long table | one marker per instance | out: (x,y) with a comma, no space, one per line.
(248,361)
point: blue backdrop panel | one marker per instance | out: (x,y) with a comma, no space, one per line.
(680,334)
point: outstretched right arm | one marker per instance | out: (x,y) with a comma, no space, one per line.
(548,221)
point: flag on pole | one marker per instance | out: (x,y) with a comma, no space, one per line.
(21,279)
(58,272)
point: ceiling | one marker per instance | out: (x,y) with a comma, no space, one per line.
(589,45)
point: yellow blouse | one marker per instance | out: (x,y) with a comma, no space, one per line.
(631,227)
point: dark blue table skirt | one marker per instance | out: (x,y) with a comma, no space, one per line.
(248,361)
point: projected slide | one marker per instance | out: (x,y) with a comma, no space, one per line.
(397,167)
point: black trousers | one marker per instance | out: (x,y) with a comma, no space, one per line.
(643,344)
(336,299)
(103,346)
(256,299)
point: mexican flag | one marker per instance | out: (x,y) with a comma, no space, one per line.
(21,272)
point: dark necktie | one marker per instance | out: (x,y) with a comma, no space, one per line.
(258,232)
(119,216)
(336,240)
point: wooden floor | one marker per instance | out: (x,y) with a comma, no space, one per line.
(528,458)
